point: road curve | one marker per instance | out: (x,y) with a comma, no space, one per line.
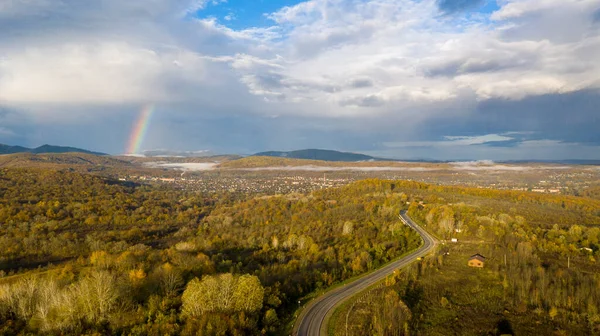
(312,320)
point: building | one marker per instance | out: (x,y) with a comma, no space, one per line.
(476,260)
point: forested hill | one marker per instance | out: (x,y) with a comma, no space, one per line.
(61,161)
(149,260)
(6,149)
(320,154)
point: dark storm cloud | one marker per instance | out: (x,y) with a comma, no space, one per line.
(269,80)
(469,65)
(570,117)
(361,83)
(110,134)
(14,127)
(247,134)
(453,6)
(273,84)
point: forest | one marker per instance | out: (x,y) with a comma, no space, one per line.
(541,275)
(83,254)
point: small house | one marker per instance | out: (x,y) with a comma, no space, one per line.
(476,260)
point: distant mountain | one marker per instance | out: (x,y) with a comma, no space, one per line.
(322,155)
(6,149)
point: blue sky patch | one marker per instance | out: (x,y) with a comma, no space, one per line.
(242,14)
(460,6)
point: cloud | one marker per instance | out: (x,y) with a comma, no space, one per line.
(307,54)
(339,72)
(366,101)
(489,59)
(74,10)
(84,73)
(454,140)
(569,118)
(477,140)
(473,64)
(536,20)
(359,83)
(519,8)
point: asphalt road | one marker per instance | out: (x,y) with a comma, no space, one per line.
(312,321)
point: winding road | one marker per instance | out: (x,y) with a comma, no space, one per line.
(312,320)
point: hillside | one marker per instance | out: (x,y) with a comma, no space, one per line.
(58,160)
(320,154)
(147,268)
(6,149)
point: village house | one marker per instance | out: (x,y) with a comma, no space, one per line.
(476,260)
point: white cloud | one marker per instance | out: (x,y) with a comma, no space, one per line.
(452,141)
(518,8)
(410,54)
(103,73)
(516,89)
(258,36)
(414,54)
(196,6)
(363,64)
(475,140)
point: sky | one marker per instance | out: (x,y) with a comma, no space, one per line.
(405,79)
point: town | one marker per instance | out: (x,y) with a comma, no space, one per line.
(568,180)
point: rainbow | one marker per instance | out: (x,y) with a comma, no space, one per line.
(138,132)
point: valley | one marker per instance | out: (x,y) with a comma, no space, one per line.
(74,222)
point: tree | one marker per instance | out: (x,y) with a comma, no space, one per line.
(348,228)
(97,295)
(169,279)
(271,320)
(248,294)
(224,293)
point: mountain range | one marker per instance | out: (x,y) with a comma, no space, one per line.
(6,149)
(308,154)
